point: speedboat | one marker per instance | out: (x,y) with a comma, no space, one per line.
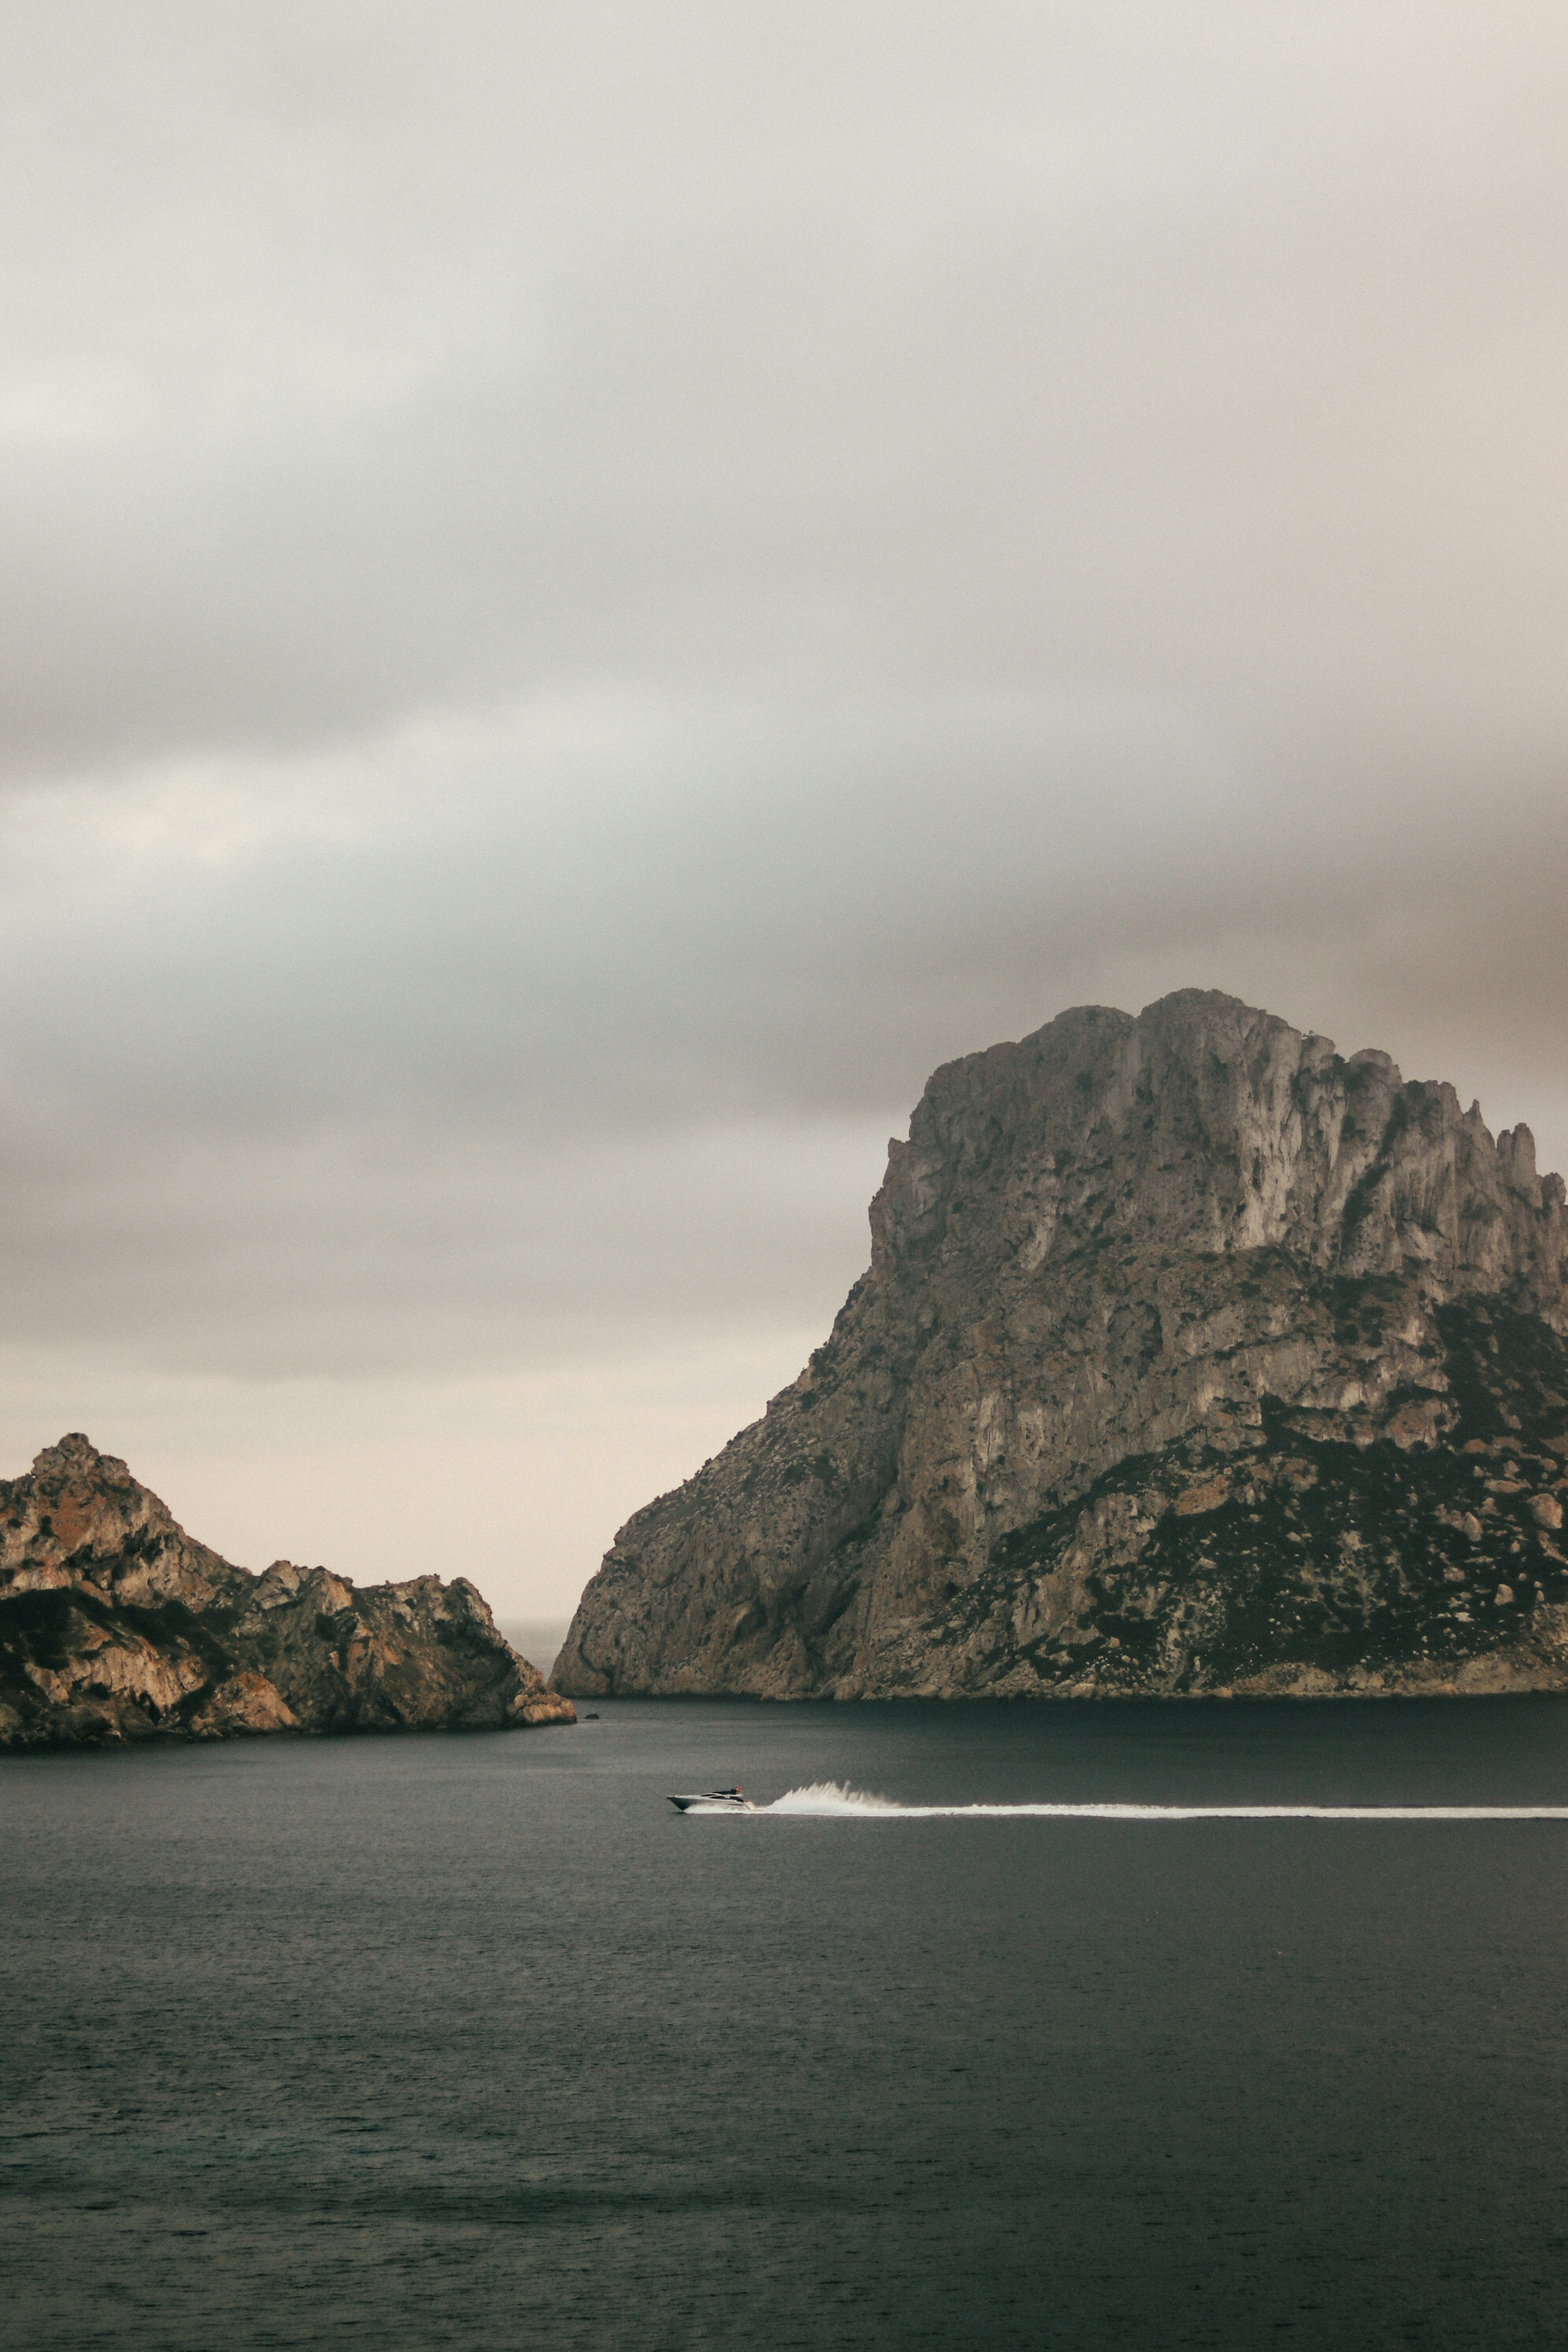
(714,1800)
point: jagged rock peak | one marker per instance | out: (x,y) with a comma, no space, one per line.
(1111,1263)
(114,1625)
(1229,1130)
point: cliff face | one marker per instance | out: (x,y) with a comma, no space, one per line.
(1192,1357)
(115,1625)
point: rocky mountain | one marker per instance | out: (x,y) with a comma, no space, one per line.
(115,1625)
(1192,1358)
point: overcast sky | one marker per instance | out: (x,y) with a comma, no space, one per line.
(587,592)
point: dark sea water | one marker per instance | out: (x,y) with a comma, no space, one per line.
(473,2041)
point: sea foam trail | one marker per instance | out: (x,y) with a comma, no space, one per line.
(832,1799)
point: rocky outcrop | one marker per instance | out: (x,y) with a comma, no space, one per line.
(1192,1357)
(115,1625)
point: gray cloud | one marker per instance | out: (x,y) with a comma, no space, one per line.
(589,592)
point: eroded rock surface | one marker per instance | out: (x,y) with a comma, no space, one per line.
(1192,1357)
(115,1625)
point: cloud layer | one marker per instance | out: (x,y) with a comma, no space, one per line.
(589,592)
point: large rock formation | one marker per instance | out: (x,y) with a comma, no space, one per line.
(1192,1357)
(115,1625)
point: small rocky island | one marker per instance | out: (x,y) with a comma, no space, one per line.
(1192,1358)
(114,1626)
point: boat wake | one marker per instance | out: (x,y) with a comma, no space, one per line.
(833,1799)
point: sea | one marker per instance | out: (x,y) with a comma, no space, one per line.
(1084,2025)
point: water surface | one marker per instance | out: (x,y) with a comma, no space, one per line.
(416,2041)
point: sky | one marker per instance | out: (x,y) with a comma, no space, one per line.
(588,592)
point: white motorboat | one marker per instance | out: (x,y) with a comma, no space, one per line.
(714,1800)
